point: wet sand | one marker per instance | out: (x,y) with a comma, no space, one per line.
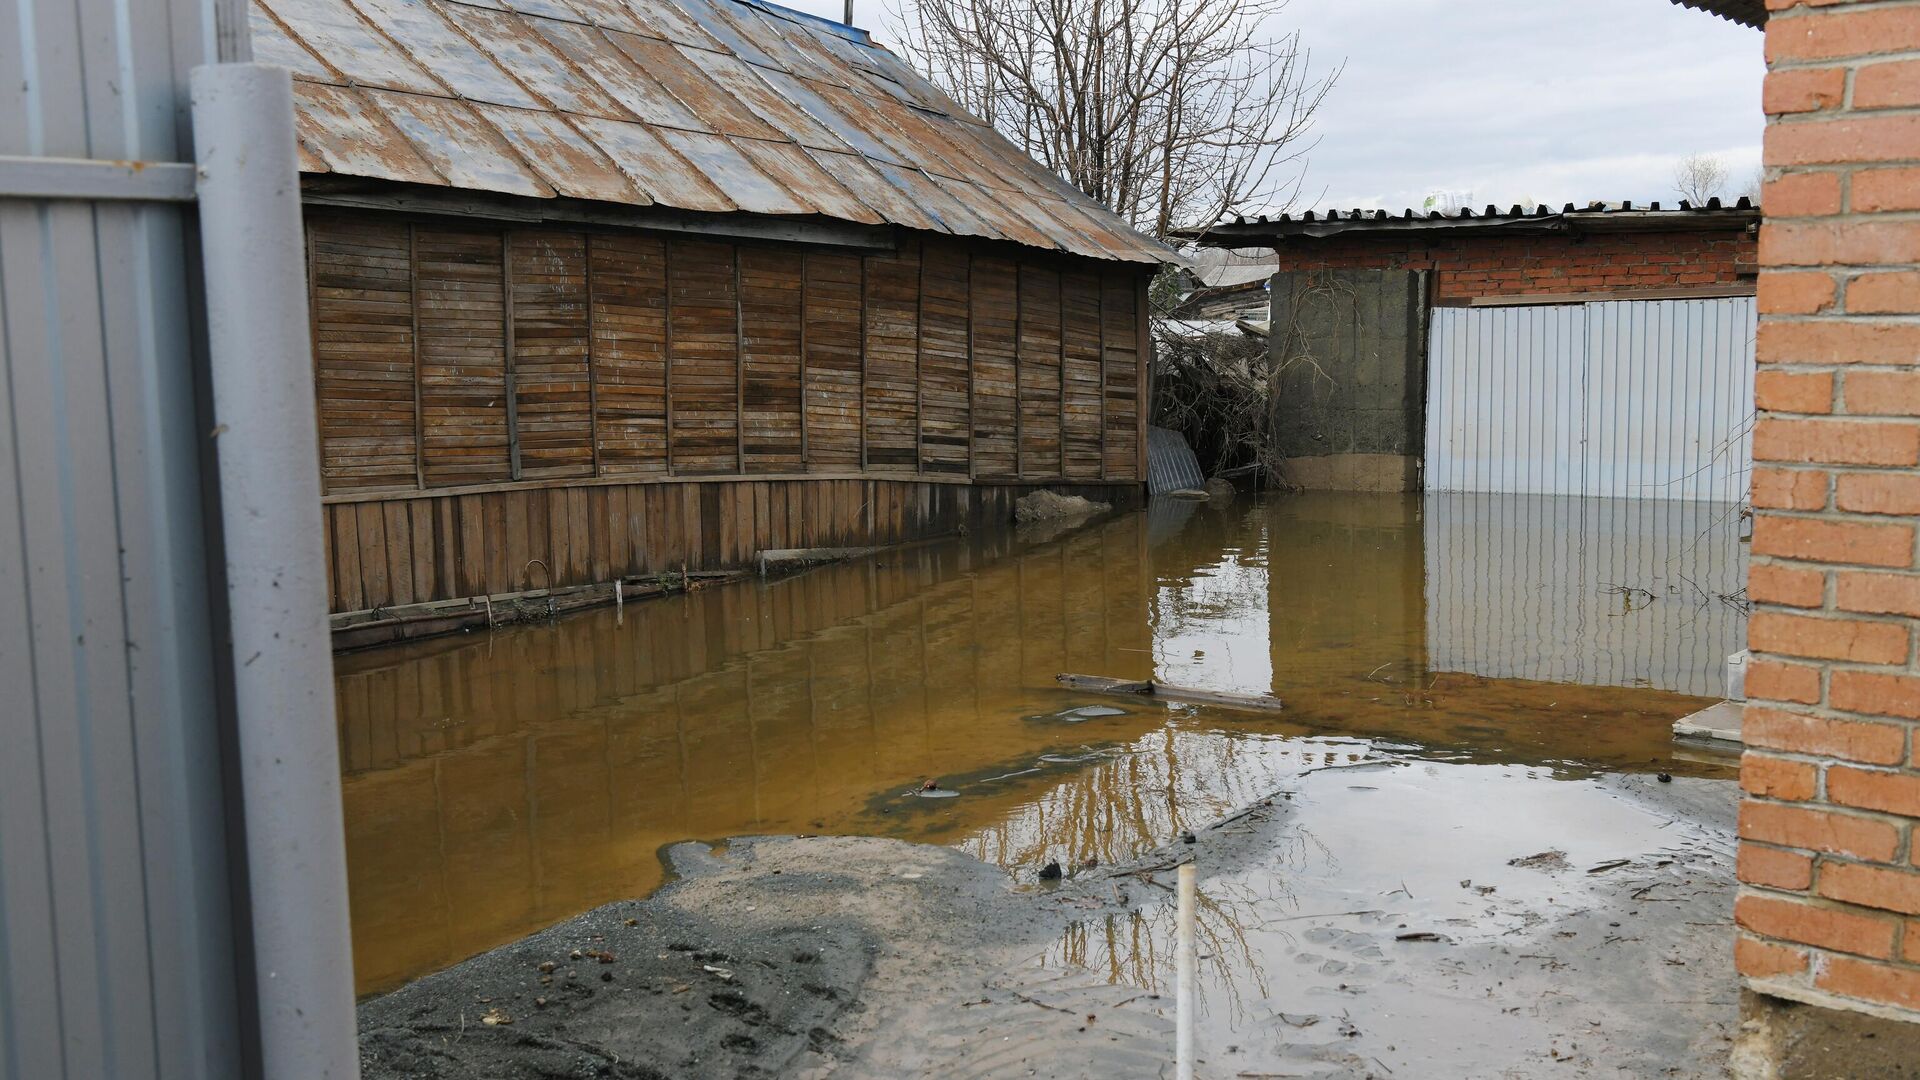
(861,957)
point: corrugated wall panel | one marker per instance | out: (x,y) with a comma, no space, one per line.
(1645,399)
(116,947)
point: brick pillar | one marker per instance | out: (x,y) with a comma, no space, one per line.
(1829,911)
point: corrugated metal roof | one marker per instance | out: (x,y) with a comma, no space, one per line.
(1745,12)
(1594,217)
(706,105)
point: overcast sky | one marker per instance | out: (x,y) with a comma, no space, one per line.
(1553,100)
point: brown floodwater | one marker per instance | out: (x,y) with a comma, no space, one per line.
(495,783)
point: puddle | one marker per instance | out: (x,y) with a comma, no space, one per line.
(497,783)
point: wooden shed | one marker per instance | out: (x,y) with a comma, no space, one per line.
(606,288)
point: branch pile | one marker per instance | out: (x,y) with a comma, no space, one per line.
(1212,387)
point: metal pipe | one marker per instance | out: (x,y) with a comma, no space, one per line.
(1183,975)
(849,17)
(281,663)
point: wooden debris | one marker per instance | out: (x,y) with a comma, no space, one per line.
(1149,689)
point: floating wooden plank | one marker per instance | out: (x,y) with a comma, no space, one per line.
(1147,688)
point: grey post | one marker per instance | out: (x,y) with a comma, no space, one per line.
(266,443)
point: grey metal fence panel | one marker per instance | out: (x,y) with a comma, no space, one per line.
(1646,399)
(116,942)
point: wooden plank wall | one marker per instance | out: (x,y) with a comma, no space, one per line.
(468,362)
(389,552)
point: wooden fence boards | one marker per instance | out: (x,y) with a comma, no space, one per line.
(1120,323)
(995,303)
(704,389)
(361,284)
(892,334)
(461,313)
(606,356)
(831,286)
(771,319)
(1039,358)
(552,394)
(628,279)
(1081,403)
(945,419)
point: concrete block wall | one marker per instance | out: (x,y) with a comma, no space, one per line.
(1829,912)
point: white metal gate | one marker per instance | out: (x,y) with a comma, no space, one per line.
(1644,399)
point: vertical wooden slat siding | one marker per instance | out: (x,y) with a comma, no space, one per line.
(512,397)
(1081,362)
(739,368)
(593,395)
(413,309)
(451,356)
(1143,376)
(972,466)
(771,344)
(995,392)
(1039,357)
(363,355)
(629,352)
(891,337)
(944,413)
(705,356)
(463,374)
(551,403)
(1120,330)
(1101,309)
(833,379)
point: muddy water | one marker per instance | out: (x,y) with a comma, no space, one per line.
(497,783)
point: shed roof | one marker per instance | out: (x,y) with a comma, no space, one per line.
(1595,217)
(1745,12)
(724,106)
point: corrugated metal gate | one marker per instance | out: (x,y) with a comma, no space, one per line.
(1644,399)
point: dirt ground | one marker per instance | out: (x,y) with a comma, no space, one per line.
(865,957)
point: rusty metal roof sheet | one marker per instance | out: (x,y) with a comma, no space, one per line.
(709,105)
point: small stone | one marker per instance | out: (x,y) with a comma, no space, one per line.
(1050,872)
(1665,778)
(547,966)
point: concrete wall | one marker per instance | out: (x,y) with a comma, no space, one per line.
(1829,843)
(1348,404)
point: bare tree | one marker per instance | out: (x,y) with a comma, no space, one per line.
(1699,177)
(1173,113)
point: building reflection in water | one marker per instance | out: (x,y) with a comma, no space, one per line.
(497,783)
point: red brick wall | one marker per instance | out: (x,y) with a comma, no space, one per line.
(1483,265)
(1829,849)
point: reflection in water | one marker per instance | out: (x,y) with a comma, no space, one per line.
(497,783)
(1605,592)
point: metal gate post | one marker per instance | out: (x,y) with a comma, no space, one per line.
(282,668)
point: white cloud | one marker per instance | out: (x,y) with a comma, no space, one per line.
(1553,100)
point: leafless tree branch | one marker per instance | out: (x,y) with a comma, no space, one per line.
(1174,113)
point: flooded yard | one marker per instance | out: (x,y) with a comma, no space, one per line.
(1508,651)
